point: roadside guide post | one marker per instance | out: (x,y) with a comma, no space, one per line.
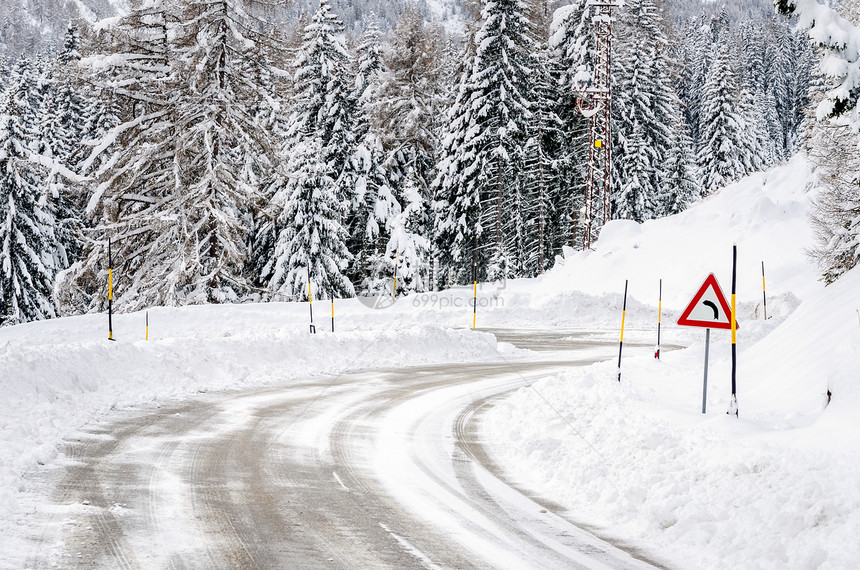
(110,294)
(311,304)
(659,320)
(621,341)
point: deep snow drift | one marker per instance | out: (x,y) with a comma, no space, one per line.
(777,487)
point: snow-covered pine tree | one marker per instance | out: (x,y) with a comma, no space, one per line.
(697,57)
(681,179)
(487,129)
(572,44)
(374,201)
(410,98)
(131,153)
(407,246)
(176,196)
(406,109)
(61,129)
(311,246)
(221,148)
(644,99)
(368,68)
(833,145)
(325,108)
(720,156)
(757,149)
(632,193)
(836,210)
(27,240)
(547,219)
(323,101)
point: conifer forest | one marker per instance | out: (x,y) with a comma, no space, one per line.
(231,153)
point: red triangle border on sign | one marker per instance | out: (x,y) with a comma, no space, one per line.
(684,319)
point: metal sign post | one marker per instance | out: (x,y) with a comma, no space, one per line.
(705,384)
(709,310)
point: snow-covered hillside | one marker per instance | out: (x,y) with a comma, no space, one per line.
(777,487)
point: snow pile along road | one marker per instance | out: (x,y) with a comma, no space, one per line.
(778,487)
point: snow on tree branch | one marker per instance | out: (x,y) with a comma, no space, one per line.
(840,40)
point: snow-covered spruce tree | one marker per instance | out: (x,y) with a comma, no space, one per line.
(61,121)
(324,109)
(697,55)
(629,200)
(311,246)
(374,201)
(407,247)
(27,241)
(757,149)
(481,153)
(681,179)
(572,44)
(405,114)
(720,156)
(324,105)
(548,219)
(644,99)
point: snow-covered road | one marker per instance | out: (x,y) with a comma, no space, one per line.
(375,469)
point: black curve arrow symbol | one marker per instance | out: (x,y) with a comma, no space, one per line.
(714,307)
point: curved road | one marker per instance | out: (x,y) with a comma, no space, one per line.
(378,469)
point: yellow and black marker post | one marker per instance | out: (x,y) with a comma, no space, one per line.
(394,287)
(331,294)
(110,293)
(475,295)
(147,326)
(763,293)
(311,304)
(733,405)
(621,342)
(659,320)
(475,306)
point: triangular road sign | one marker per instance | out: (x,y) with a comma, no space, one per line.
(708,308)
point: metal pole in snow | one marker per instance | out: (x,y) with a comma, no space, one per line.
(733,406)
(110,293)
(331,293)
(659,320)
(763,293)
(621,342)
(147,326)
(705,385)
(311,304)
(394,288)
(475,295)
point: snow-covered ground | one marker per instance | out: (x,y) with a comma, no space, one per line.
(777,487)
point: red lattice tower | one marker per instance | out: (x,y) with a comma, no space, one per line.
(594,98)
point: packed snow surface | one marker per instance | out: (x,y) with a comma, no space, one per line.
(776,487)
